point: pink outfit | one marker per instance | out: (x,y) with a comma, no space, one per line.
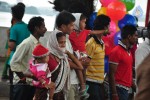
(40,70)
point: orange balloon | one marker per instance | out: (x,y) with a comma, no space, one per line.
(102,10)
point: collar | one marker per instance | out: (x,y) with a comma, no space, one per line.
(35,41)
(122,45)
(99,41)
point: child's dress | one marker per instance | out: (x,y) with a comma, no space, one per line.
(40,71)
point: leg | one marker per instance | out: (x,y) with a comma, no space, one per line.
(95,91)
(72,94)
(51,93)
(6,66)
(122,93)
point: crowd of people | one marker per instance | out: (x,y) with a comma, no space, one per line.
(71,66)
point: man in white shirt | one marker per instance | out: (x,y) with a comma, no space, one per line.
(20,62)
(65,23)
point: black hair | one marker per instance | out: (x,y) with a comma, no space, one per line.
(83,17)
(18,11)
(128,30)
(101,22)
(21,4)
(60,34)
(35,22)
(65,18)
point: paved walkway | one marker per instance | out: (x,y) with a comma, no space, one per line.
(4,85)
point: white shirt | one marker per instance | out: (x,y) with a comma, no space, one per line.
(22,55)
(142,52)
(73,75)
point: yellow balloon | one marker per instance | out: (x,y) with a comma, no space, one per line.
(102,10)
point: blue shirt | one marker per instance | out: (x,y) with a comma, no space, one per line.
(18,33)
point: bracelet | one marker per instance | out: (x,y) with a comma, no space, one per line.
(106,31)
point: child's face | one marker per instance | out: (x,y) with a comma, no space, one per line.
(82,24)
(68,28)
(62,42)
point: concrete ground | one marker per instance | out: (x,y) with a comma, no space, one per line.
(4,84)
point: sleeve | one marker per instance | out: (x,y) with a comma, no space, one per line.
(90,48)
(114,57)
(13,34)
(16,61)
(87,32)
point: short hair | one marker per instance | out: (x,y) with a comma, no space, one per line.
(18,11)
(65,18)
(35,22)
(83,17)
(21,4)
(60,34)
(128,30)
(101,22)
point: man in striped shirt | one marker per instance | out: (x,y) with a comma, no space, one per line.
(96,50)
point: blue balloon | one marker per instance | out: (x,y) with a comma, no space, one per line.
(91,19)
(127,20)
(106,67)
(117,37)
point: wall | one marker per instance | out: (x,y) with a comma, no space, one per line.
(3,40)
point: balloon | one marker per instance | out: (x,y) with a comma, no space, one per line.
(129,4)
(116,10)
(91,19)
(117,37)
(112,28)
(105,3)
(102,10)
(106,63)
(127,20)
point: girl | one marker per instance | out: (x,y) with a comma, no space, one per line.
(40,70)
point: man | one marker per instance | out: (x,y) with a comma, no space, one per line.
(120,64)
(143,50)
(20,61)
(65,23)
(18,32)
(96,50)
(142,62)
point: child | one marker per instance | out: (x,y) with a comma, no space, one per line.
(40,70)
(79,36)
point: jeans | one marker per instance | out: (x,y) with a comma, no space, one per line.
(23,92)
(122,93)
(96,91)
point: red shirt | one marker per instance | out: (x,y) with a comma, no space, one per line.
(123,75)
(78,41)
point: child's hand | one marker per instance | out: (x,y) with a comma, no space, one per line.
(50,86)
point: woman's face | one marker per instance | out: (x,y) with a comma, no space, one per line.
(62,42)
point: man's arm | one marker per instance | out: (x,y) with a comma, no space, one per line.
(18,57)
(112,70)
(12,44)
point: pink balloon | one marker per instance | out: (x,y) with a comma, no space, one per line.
(112,28)
(105,3)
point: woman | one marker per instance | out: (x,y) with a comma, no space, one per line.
(59,65)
